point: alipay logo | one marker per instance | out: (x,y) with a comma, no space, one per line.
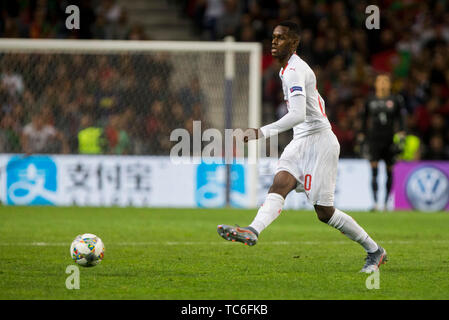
(211,185)
(238,196)
(31,181)
(428,189)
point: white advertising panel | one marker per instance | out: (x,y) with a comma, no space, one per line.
(140,181)
(96,181)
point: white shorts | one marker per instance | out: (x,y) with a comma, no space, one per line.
(313,161)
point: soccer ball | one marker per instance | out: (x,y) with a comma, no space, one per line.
(87,250)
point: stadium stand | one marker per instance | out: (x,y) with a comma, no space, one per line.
(412,45)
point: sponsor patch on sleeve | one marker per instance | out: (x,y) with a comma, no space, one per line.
(293,89)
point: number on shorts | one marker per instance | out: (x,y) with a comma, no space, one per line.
(307,182)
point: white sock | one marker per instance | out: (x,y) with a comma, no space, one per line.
(350,228)
(268,212)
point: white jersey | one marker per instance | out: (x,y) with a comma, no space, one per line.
(312,156)
(39,139)
(299,79)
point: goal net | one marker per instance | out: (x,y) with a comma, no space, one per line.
(122,97)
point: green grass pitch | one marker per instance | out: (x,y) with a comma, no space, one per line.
(177,254)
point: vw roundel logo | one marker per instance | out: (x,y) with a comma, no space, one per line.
(428,189)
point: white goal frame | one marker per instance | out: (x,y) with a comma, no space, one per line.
(228,48)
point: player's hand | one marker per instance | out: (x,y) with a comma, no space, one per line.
(252,134)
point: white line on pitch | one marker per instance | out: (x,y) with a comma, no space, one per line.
(197,243)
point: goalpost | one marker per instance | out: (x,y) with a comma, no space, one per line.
(228,73)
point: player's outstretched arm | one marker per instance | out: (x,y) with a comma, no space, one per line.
(295,115)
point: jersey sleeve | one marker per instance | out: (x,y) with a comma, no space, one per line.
(295,82)
(294,116)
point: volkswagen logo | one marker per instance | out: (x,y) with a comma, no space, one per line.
(428,189)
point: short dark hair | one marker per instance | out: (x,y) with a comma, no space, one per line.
(293,28)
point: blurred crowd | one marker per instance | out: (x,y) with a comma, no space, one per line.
(114,106)
(126,105)
(91,103)
(412,45)
(100,19)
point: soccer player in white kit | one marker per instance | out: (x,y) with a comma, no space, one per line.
(309,162)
